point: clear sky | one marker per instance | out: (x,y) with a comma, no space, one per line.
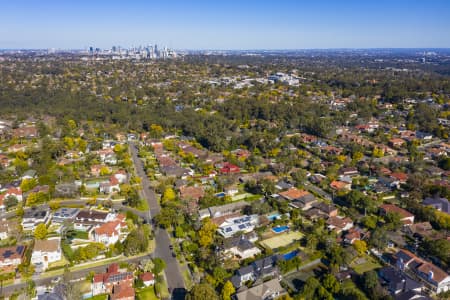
(229,24)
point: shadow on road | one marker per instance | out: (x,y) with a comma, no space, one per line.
(179,294)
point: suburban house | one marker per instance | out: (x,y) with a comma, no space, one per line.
(339,223)
(267,290)
(28,132)
(396,142)
(350,171)
(34,216)
(6,228)
(147,278)
(259,269)
(298,198)
(437,279)
(65,214)
(240,247)
(441,204)
(45,252)
(110,186)
(109,233)
(222,210)
(87,219)
(14,192)
(341,185)
(104,283)
(405,216)
(238,224)
(121,176)
(11,257)
(397,282)
(228,168)
(191,193)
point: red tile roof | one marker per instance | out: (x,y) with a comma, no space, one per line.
(294,193)
(390,208)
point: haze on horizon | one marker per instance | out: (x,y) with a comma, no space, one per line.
(251,24)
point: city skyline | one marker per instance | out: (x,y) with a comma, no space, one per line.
(230,25)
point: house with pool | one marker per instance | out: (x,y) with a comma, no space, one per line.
(244,223)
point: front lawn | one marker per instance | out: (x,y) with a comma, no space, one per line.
(147,293)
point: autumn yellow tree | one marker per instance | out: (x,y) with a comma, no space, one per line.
(206,233)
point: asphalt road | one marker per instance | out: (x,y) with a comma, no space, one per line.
(174,278)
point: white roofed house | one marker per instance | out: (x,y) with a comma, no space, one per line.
(238,224)
(46,252)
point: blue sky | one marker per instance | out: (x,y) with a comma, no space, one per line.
(232,24)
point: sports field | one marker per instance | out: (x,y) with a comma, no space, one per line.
(282,240)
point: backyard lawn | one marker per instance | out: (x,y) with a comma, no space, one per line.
(364,264)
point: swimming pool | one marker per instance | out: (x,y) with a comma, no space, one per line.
(273,217)
(290,255)
(280,229)
(220,195)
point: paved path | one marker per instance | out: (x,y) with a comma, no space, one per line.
(174,277)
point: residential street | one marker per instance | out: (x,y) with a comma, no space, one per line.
(80,274)
(173,273)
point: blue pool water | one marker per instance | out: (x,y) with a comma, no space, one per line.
(220,195)
(290,255)
(273,217)
(280,229)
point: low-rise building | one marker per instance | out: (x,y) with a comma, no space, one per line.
(267,290)
(34,216)
(406,217)
(104,283)
(46,252)
(238,224)
(11,257)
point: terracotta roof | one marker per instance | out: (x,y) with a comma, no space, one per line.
(294,193)
(113,180)
(147,276)
(399,176)
(191,192)
(390,208)
(438,274)
(338,185)
(108,229)
(122,291)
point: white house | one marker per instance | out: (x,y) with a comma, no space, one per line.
(147,278)
(45,252)
(237,224)
(110,232)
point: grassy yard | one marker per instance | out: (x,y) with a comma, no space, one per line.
(187,278)
(147,293)
(364,264)
(143,205)
(99,297)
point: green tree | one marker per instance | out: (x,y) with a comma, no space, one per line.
(40,232)
(206,233)
(159,265)
(360,247)
(202,291)
(331,284)
(227,290)
(169,195)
